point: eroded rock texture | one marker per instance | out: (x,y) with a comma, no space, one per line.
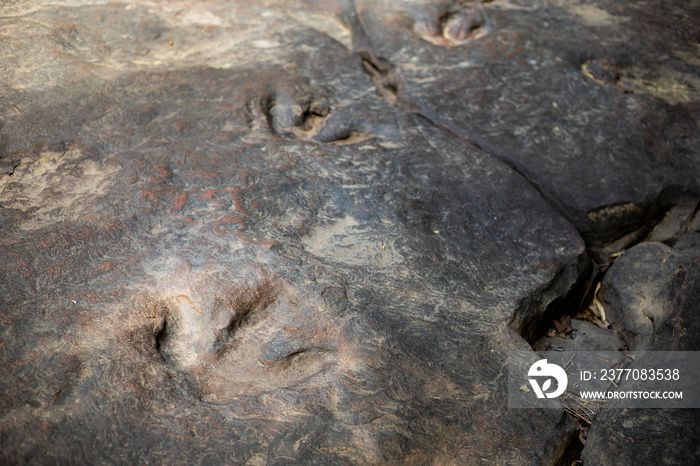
(665,320)
(311,232)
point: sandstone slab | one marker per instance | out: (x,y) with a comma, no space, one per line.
(220,246)
(595,103)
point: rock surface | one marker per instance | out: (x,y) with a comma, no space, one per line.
(573,95)
(656,436)
(638,289)
(586,337)
(284,232)
(260,262)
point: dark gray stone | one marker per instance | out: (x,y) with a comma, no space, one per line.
(695,223)
(586,337)
(656,436)
(643,436)
(676,222)
(637,291)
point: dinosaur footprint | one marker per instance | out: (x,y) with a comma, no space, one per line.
(251,341)
(448,26)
